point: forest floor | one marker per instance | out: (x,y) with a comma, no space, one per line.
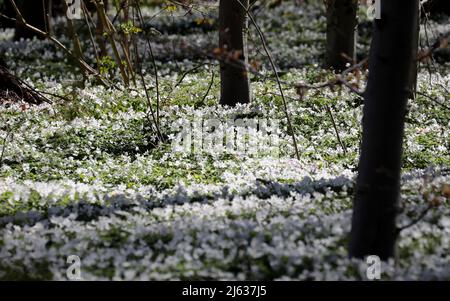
(85,176)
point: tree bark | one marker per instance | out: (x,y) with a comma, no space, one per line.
(378,184)
(235,85)
(414,62)
(341,33)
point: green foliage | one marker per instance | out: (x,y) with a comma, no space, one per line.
(107,65)
(128,28)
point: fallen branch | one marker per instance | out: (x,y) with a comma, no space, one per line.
(10,82)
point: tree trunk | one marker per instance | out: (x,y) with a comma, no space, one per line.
(341,29)
(378,185)
(414,62)
(235,85)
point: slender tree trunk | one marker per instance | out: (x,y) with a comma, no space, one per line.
(341,29)
(235,85)
(378,185)
(414,62)
(49,15)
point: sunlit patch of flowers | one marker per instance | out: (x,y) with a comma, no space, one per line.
(94,183)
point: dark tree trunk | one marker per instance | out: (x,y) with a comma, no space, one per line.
(378,185)
(341,28)
(235,86)
(35,14)
(414,62)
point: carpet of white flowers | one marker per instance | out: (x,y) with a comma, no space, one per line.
(89,178)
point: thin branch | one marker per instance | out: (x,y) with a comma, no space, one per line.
(5,140)
(88,18)
(100,6)
(277,77)
(209,87)
(416,220)
(433,100)
(75,40)
(344,149)
(186,73)
(339,80)
(155,68)
(20,19)
(147,96)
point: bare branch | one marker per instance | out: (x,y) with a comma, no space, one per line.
(277,77)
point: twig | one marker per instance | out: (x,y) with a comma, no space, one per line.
(416,220)
(182,78)
(75,40)
(277,77)
(339,80)
(186,73)
(20,19)
(4,146)
(209,87)
(155,68)
(433,100)
(121,7)
(39,93)
(29,93)
(147,96)
(336,130)
(100,6)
